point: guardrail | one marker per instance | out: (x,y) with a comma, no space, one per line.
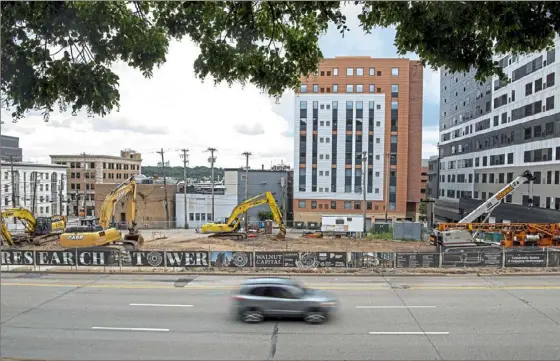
(450,258)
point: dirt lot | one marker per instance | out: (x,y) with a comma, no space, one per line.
(176,240)
(292,243)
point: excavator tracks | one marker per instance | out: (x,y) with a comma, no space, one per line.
(238,236)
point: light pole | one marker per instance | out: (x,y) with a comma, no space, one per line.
(364,189)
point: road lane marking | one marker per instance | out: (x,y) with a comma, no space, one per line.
(384,307)
(409,333)
(330,288)
(131,329)
(158,305)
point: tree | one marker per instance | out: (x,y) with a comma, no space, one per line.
(268,44)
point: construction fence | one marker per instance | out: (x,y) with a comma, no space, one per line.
(450,258)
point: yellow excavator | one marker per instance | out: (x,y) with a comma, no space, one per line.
(90,233)
(38,230)
(233,223)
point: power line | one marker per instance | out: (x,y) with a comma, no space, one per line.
(164,185)
(185,157)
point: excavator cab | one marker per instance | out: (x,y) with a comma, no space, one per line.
(43,225)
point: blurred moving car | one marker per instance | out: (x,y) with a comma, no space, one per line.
(259,298)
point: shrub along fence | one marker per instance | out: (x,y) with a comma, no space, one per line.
(449,258)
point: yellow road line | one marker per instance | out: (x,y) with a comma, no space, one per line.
(331,287)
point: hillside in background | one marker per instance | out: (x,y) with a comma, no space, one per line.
(197,173)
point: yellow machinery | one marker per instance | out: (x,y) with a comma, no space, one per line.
(233,223)
(38,230)
(90,233)
(513,234)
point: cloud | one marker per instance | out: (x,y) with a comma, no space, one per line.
(430,139)
(174,110)
(255,129)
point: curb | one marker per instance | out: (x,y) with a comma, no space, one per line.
(284,274)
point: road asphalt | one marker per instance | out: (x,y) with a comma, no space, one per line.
(160,317)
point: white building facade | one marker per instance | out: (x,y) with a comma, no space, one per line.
(199,208)
(516,128)
(40,188)
(334,130)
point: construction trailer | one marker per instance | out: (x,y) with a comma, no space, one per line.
(342,224)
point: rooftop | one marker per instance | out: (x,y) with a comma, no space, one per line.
(33,165)
(81,157)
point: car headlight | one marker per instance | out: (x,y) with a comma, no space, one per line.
(328,304)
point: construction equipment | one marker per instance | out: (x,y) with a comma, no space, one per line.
(513,234)
(233,223)
(91,233)
(38,230)
(464,233)
(312,234)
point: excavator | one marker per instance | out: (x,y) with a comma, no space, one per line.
(90,233)
(233,223)
(38,230)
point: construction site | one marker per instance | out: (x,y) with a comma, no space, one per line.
(472,231)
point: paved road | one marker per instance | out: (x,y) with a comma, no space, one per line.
(73,317)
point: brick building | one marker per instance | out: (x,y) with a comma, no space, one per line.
(150,204)
(86,171)
(355,105)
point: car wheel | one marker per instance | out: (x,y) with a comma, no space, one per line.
(315,317)
(252,316)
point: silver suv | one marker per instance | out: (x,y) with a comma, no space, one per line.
(281,297)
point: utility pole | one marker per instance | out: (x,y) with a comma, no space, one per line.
(185,157)
(212,160)
(13,181)
(85,192)
(246,154)
(364,187)
(35,176)
(164,187)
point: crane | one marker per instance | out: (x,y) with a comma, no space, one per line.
(229,229)
(39,230)
(91,233)
(455,234)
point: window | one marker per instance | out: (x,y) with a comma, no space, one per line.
(372,88)
(550,80)
(395,71)
(360,71)
(359,88)
(371,71)
(313,204)
(315,88)
(335,71)
(528,89)
(303,88)
(394,91)
(347,204)
(538,85)
(333,204)
(510,158)
(349,88)
(550,103)
(349,71)
(335,88)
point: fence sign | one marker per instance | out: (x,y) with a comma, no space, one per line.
(231,259)
(276,259)
(18,258)
(472,258)
(525,259)
(417,260)
(371,259)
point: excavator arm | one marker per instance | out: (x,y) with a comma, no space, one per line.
(106,215)
(233,222)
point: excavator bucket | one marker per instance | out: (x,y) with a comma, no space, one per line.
(281,236)
(137,239)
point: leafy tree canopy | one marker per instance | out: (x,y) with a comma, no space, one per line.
(60,52)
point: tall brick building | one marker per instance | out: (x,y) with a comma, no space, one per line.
(355,105)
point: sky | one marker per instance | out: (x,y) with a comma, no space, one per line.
(174,110)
